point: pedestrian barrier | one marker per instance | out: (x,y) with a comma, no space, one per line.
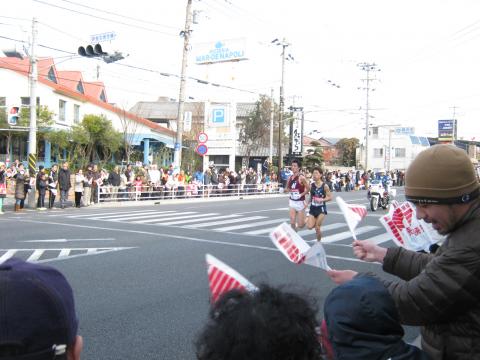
(109,193)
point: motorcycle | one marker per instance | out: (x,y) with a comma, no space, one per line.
(378,195)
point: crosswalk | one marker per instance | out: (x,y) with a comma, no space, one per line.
(245,223)
(52,254)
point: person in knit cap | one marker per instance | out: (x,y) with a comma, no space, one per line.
(439,292)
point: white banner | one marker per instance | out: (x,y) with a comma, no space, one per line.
(297,135)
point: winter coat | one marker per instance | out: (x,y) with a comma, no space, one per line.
(363,323)
(79,180)
(20,186)
(42,186)
(64,179)
(441,292)
(114,179)
(3,182)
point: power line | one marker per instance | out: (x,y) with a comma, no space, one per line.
(120,15)
(60,31)
(106,19)
(15,18)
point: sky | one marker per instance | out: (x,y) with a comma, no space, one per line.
(426,54)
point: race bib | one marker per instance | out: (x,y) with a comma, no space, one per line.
(295,195)
(317,200)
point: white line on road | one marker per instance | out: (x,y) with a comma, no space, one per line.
(231,221)
(324,228)
(176,217)
(129,215)
(101,214)
(36,255)
(194,220)
(250,225)
(7,255)
(156,235)
(347,234)
(153,216)
(64,253)
(381,238)
(65,240)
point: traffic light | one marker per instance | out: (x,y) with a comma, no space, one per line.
(13,115)
(97,51)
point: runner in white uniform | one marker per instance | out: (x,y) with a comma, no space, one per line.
(298,187)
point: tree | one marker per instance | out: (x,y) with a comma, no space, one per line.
(314,156)
(347,148)
(104,139)
(129,131)
(255,129)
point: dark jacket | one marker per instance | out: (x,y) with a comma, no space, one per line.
(64,181)
(114,178)
(20,186)
(363,324)
(441,292)
(42,186)
(88,177)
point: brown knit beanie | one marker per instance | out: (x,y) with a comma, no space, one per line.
(442,174)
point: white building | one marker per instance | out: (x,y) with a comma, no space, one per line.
(70,98)
(391,148)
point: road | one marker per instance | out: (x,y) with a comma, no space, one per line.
(139,273)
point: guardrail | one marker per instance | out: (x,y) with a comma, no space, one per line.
(108,193)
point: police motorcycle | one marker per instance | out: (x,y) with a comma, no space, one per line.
(378,195)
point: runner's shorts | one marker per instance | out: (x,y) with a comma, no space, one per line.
(317,210)
(297,205)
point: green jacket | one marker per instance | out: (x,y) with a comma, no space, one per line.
(441,292)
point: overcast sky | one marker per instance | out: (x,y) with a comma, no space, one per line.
(427,52)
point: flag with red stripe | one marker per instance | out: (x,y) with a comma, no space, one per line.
(296,249)
(222,278)
(353,214)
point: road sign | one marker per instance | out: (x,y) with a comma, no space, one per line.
(97,38)
(201,149)
(202,137)
(177,146)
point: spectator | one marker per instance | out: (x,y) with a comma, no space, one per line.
(20,178)
(3,185)
(37,312)
(114,181)
(79,181)
(268,324)
(52,185)
(42,191)
(95,183)
(64,183)
(363,323)
(87,186)
(440,291)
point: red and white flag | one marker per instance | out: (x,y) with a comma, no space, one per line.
(353,214)
(296,249)
(222,278)
(405,229)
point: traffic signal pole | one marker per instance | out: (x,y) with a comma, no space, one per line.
(177,155)
(32,135)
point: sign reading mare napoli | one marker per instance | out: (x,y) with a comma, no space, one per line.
(220,51)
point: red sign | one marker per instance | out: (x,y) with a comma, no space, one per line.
(202,138)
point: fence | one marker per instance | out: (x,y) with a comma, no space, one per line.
(109,193)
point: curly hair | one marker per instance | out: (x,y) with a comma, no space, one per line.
(270,323)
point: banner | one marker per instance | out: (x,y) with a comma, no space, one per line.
(222,278)
(296,249)
(353,214)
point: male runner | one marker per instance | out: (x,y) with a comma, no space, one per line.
(298,187)
(319,195)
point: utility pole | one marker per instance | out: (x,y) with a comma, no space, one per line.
(283,44)
(272,115)
(368,68)
(177,155)
(32,135)
(454,124)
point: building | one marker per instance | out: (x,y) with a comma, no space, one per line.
(391,148)
(70,97)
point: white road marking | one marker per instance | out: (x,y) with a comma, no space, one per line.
(347,234)
(64,253)
(194,220)
(7,255)
(168,236)
(159,220)
(381,238)
(36,255)
(324,228)
(65,240)
(221,222)
(152,216)
(138,215)
(250,225)
(101,214)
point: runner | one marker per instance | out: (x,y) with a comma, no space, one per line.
(298,187)
(319,195)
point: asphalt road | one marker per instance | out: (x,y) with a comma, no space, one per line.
(139,272)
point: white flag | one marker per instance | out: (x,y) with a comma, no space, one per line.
(223,278)
(353,214)
(296,249)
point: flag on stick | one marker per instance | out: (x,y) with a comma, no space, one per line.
(353,214)
(222,278)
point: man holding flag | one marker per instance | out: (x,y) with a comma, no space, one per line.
(441,291)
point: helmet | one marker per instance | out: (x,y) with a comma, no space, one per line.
(442,174)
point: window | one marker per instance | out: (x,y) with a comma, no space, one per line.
(76,114)
(62,107)
(375,132)
(80,87)
(51,75)
(26,101)
(378,153)
(400,152)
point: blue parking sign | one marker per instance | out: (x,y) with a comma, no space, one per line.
(218,116)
